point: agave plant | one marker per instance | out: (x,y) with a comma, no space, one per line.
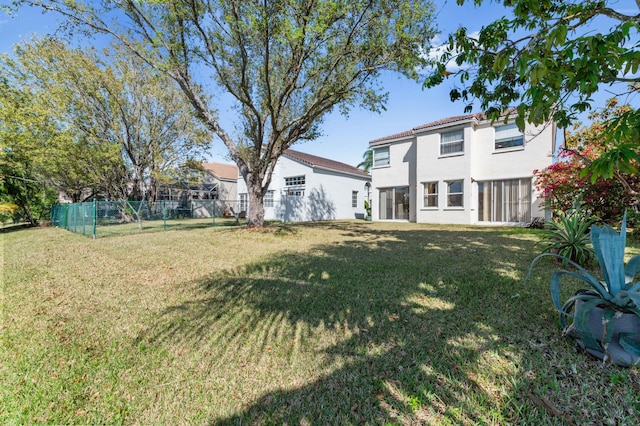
(615,294)
(568,236)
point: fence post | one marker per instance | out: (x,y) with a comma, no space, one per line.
(95,218)
(164,214)
(213,212)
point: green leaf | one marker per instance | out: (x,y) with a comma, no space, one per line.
(609,248)
(582,324)
(632,268)
(634,295)
(630,342)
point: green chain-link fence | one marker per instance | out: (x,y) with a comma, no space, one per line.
(103,218)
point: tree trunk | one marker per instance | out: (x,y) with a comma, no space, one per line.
(255,215)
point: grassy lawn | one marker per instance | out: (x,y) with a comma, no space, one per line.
(108,230)
(331,323)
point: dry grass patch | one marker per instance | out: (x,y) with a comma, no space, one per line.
(338,323)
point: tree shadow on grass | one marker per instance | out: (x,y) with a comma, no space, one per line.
(416,316)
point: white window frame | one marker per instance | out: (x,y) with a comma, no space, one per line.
(244,202)
(508,137)
(295,180)
(268,198)
(450,183)
(294,186)
(444,146)
(292,192)
(381,157)
(427,195)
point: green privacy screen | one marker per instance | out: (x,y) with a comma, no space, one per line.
(104,218)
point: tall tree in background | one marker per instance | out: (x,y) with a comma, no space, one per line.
(25,127)
(284,63)
(119,127)
(547,61)
(367,161)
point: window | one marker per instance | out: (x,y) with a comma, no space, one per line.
(354,199)
(243,202)
(381,156)
(452,142)
(508,136)
(454,193)
(290,192)
(268,199)
(294,186)
(294,181)
(504,200)
(430,194)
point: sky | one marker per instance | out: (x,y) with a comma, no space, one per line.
(344,139)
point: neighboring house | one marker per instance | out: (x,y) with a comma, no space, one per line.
(219,181)
(460,170)
(306,187)
(224,178)
(207,193)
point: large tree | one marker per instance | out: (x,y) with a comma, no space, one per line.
(548,59)
(119,126)
(25,128)
(284,63)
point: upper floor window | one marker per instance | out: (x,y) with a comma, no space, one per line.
(381,156)
(508,136)
(452,142)
(294,181)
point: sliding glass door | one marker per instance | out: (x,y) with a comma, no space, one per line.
(394,203)
(504,200)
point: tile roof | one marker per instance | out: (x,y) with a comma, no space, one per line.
(450,120)
(325,163)
(395,136)
(222,170)
(479,116)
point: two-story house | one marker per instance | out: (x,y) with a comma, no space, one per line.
(461,170)
(306,187)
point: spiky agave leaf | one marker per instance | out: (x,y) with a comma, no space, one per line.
(630,272)
(609,247)
(581,322)
(630,342)
(580,273)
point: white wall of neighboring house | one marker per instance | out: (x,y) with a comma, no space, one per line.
(496,183)
(325,195)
